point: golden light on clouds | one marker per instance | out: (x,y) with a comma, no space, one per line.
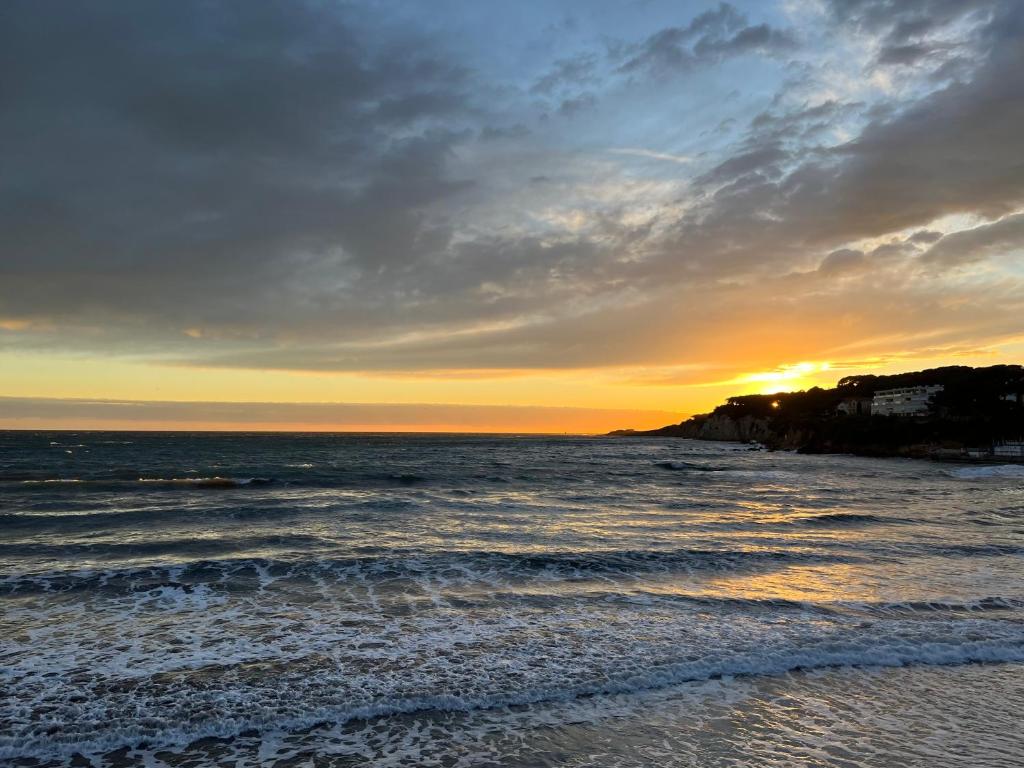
(594,227)
(785,378)
(602,399)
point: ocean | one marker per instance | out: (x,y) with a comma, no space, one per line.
(415,600)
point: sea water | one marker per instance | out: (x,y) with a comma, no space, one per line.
(342,600)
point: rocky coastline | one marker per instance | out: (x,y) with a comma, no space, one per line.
(965,422)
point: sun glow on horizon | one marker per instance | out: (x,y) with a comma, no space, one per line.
(784,378)
(601,399)
(635,213)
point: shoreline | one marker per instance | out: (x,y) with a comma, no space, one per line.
(919,451)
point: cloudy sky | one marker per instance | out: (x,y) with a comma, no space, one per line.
(569,215)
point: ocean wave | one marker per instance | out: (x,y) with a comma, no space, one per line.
(976,605)
(161,592)
(748,605)
(471,566)
(208,482)
(973,550)
(822,520)
(687,466)
(312,480)
(120,482)
(35,743)
(726,472)
(57,518)
(407,478)
(843,518)
(1012,471)
(190,546)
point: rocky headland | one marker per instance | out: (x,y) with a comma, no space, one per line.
(976,410)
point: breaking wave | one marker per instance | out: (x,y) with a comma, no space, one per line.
(472,566)
(1012,471)
(155,732)
(185,586)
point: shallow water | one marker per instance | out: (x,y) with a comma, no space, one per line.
(416,600)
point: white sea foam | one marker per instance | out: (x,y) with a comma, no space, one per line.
(256,714)
(1012,471)
(859,718)
(191,659)
(564,576)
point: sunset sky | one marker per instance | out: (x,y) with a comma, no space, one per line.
(497,216)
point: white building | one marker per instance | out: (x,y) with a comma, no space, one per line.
(904,401)
(1010,450)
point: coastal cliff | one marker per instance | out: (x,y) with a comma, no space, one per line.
(720,427)
(725,428)
(975,409)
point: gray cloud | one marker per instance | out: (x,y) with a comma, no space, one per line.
(213,151)
(801,121)
(765,160)
(909,54)
(900,21)
(1006,234)
(306,186)
(955,150)
(925,236)
(707,39)
(575,71)
(577,104)
(843,260)
(911,31)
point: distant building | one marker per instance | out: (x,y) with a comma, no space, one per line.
(1009,450)
(855,406)
(904,401)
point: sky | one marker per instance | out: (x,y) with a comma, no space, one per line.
(541,216)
